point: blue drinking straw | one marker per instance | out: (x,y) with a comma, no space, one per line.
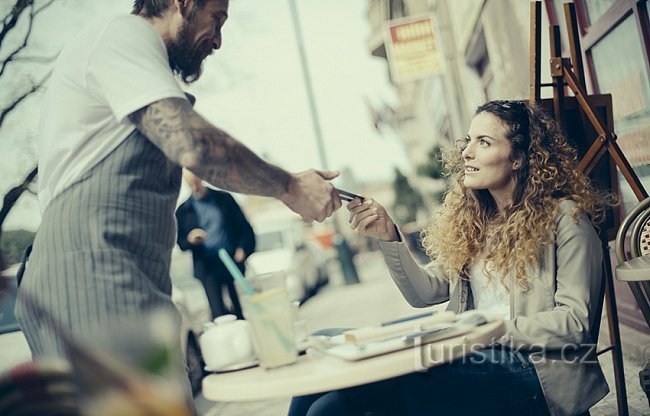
(234,271)
(236,274)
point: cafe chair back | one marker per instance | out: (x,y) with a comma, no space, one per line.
(637,223)
(634,266)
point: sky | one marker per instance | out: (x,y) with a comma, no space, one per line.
(253,87)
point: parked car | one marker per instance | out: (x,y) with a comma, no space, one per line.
(188,296)
(13,345)
(191,328)
(282,245)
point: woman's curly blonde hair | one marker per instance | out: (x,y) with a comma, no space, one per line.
(469,220)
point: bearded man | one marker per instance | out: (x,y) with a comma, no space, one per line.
(116,130)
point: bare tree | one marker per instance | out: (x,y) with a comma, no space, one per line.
(19,24)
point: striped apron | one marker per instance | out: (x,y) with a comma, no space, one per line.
(103,251)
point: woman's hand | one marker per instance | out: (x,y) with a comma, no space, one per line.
(370,218)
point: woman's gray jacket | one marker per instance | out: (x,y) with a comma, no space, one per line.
(557,319)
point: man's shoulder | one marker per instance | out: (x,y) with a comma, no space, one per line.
(122,19)
(125,24)
(184,207)
(107,30)
(221,195)
(119,21)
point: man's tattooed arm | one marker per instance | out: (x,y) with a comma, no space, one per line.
(191,141)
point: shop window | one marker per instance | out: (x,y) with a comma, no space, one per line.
(628,82)
(397,9)
(596,8)
(484,71)
(478,58)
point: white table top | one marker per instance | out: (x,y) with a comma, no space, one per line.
(319,372)
(634,270)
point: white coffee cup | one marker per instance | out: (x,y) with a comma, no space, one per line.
(227,342)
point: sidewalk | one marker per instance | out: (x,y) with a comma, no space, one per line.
(376,299)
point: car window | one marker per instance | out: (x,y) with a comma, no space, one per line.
(272,240)
(8,321)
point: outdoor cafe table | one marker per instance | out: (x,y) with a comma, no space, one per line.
(320,372)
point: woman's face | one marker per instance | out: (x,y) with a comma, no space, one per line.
(487,158)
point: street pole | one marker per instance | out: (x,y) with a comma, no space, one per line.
(345,254)
(308,85)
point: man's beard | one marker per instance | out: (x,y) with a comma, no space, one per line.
(184,58)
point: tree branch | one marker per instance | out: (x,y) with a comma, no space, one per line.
(14,193)
(36,59)
(32,14)
(13,17)
(45,6)
(6,111)
(12,106)
(22,46)
(9,24)
(11,198)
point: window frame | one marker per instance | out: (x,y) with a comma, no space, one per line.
(593,32)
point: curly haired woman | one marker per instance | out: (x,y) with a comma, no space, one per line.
(515,238)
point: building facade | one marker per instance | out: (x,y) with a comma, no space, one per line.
(485,48)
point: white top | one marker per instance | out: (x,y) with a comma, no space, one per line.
(109,70)
(490,296)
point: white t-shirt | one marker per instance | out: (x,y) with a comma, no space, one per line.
(108,71)
(490,296)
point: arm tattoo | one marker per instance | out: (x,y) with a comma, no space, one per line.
(191,141)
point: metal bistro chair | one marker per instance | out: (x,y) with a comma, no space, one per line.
(635,267)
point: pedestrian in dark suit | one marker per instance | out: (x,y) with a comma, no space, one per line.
(207,221)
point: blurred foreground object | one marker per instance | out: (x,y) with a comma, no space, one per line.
(39,388)
(148,384)
(146,379)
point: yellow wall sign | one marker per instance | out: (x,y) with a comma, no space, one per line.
(411,49)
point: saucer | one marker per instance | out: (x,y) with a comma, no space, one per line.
(232,367)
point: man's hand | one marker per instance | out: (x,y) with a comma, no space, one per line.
(196,236)
(311,195)
(240,255)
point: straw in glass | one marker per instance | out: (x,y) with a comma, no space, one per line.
(236,274)
(234,271)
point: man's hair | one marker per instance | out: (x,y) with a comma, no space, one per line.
(155,8)
(150,8)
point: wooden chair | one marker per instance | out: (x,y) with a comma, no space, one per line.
(569,72)
(634,266)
